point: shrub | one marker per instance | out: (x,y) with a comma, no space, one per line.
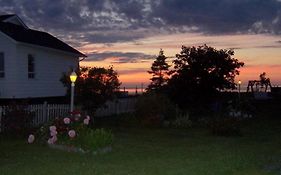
(74,131)
(182,121)
(17,120)
(152,109)
(93,140)
(243,109)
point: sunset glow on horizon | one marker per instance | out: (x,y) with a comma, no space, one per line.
(260,53)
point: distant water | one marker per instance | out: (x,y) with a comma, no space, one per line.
(132,91)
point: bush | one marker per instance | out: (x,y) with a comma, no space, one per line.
(93,140)
(152,109)
(17,120)
(182,121)
(73,131)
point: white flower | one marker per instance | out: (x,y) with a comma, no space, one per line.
(86,121)
(50,141)
(53,128)
(31,138)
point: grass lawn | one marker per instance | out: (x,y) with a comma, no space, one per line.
(138,151)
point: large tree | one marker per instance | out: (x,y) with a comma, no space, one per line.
(200,72)
(160,72)
(94,86)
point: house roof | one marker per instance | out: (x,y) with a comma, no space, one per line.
(3,17)
(25,35)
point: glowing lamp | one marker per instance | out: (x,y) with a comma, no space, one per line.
(239,82)
(73,77)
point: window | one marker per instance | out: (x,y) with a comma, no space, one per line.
(31,67)
(2,65)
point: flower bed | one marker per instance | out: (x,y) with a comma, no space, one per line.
(73,133)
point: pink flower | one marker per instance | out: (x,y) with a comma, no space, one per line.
(53,133)
(86,121)
(88,117)
(71,133)
(53,128)
(52,140)
(31,138)
(66,120)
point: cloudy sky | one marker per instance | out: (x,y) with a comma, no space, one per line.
(128,34)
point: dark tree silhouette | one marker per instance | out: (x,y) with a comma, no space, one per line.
(160,72)
(263,80)
(200,72)
(94,86)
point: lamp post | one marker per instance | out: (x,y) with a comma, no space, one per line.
(73,77)
(239,88)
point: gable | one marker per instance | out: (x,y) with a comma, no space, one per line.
(13,27)
(14,19)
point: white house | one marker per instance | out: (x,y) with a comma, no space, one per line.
(31,61)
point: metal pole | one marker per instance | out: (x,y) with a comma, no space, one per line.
(239,85)
(72,97)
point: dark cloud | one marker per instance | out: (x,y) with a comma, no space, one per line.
(103,37)
(110,21)
(221,16)
(119,57)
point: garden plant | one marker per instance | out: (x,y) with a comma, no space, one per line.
(73,133)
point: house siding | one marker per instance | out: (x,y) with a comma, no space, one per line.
(8,47)
(49,67)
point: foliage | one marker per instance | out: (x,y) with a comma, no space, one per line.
(153,108)
(200,72)
(73,131)
(17,119)
(182,121)
(243,108)
(227,122)
(94,86)
(264,81)
(94,140)
(160,73)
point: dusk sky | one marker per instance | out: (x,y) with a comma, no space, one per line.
(128,34)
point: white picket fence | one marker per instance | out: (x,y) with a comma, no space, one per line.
(43,112)
(47,112)
(123,105)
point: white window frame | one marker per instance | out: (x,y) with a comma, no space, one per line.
(2,72)
(31,73)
